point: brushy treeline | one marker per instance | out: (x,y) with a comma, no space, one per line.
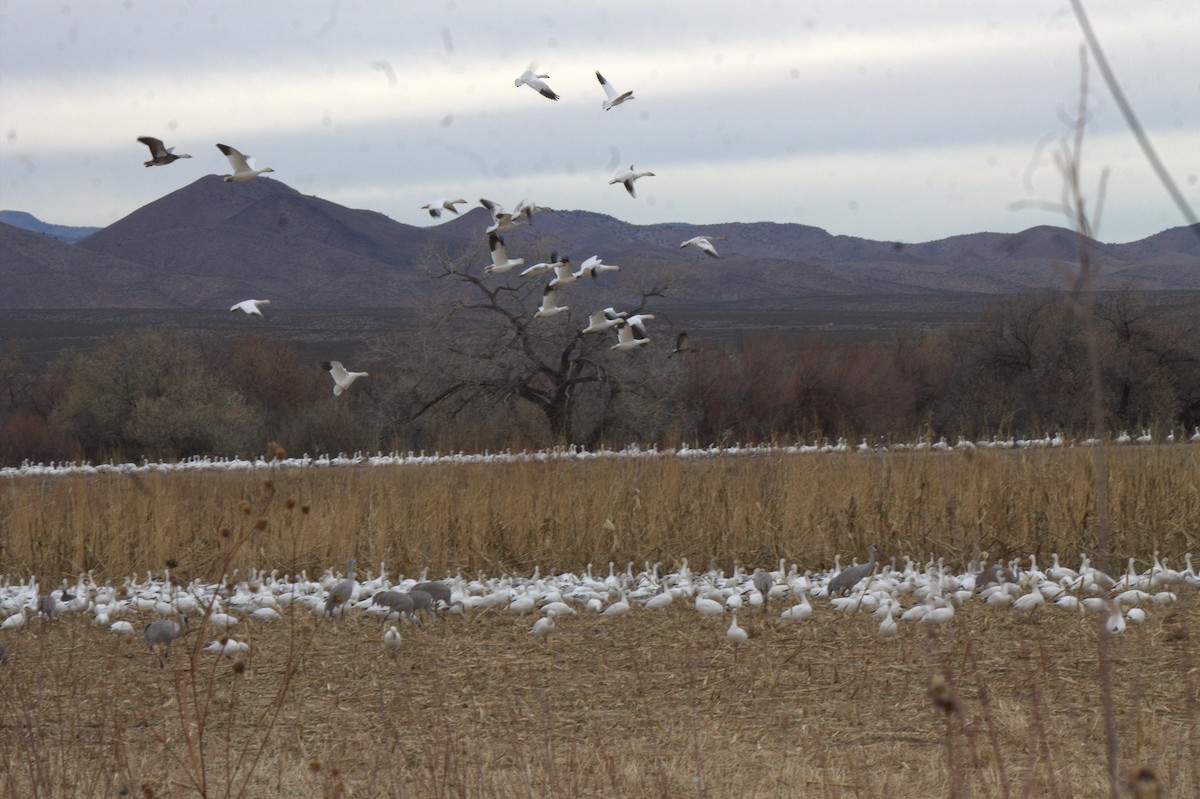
(1020,370)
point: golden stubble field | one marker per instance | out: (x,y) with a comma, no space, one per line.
(648,704)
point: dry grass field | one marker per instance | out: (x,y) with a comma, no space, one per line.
(647,704)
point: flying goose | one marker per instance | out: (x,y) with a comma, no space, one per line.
(502,221)
(629,335)
(600,321)
(550,306)
(626,177)
(501,263)
(527,208)
(160,155)
(435,207)
(251,307)
(534,81)
(592,266)
(341,378)
(563,274)
(614,99)
(555,260)
(243,169)
(703,244)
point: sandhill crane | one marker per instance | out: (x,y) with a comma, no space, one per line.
(614,99)
(163,631)
(342,378)
(243,167)
(763,582)
(847,578)
(626,177)
(681,344)
(3,654)
(342,592)
(439,591)
(423,601)
(160,155)
(395,602)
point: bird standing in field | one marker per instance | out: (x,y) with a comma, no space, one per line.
(763,582)
(703,244)
(543,627)
(534,81)
(391,639)
(342,591)
(342,379)
(736,635)
(159,154)
(163,632)
(251,307)
(847,578)
(626,177)
(614,99)
(243,165)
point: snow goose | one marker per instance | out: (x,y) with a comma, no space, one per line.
(703,244)
(160,155)
(527,208)
(563,274)
(251,307)
(341,378)
(535,81)
(592,266)
(614,99)
(435,207)
(736,635)
(543,627)
(501,263)
(629,336)
(549,266)
(243,167)
(626,177)
(603,320)
(502,221)
(391,639)
(550,306)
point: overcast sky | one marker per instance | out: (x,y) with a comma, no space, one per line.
(898,120)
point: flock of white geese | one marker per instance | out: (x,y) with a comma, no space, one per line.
(158,610)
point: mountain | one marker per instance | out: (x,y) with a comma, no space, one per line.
(30,222)
(212,243)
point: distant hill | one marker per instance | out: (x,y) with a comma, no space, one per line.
(31,223)
(212,243)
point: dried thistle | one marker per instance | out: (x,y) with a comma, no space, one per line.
(1145,785)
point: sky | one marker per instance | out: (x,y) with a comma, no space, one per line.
(897,120)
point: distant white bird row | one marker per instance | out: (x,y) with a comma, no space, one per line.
(537,82)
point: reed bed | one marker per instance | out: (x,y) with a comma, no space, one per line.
(564,515)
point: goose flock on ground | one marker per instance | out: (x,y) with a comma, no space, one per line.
(902,593)
(630,334)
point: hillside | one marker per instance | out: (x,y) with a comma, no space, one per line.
(26,221)
(211,243)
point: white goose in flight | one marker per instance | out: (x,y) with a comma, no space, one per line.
(502,221)
(160,155)
(341,378)
(243,168)
(626,177)
(592,266)
(555,261)
(534,81)
(629,336)
(563,274)
(703,244)
(501,263)
(251,307)
(435,207)
(602,320)
(550,306)
(614,99)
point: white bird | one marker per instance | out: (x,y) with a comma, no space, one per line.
(341,378)
(251,307)
(227,647)
(736,635)
(602,320)
(435,207)
(502,221)
(546,266)
(391,639)
(709,607)
(626,177)
(159,154)
(550,306)
(563,274)
(703,244)
(527,208)
(592,266)
(629,336)
(614,99)
(618,608)
(243,166)
(501,263)
(543,627)
(534,81)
